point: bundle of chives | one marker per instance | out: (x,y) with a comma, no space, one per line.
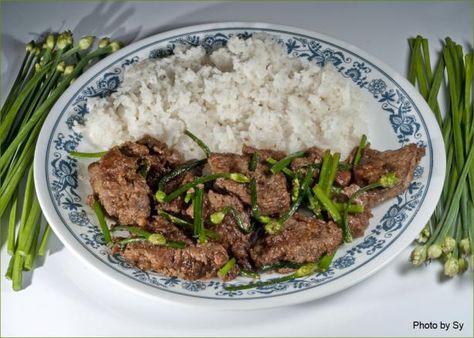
(450,232)
(46,71)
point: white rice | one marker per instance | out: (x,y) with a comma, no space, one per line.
(249,92)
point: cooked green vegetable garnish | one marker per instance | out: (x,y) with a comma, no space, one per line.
(253,203)
(352,208)
(87,155)
(253,162)
(153,238)
(327,204)
(183,223)
(360,150)
(174,219)
(224,270)
(284,162)
(103,224)
(386,181)
(199,142)
(275,226)
(198,229)
(236,177)
(279,265)
(179,171)
(288,172)
(219,216)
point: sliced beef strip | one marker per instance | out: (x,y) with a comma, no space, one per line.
(272,190)
(304,239)
(312,155)
(177,206)
(358,223)
(231,237)
(117,178)
(121,190)
(192,262)
(376,163)
(159,159)
(263,154)
(170,231)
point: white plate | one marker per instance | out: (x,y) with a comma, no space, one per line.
(398,115)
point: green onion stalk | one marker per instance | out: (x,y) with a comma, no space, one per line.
(46,71)
(449,235)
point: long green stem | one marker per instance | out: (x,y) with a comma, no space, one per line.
(11,227)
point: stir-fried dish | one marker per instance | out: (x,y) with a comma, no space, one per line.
(241,214)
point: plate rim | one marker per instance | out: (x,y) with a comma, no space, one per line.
(432,193)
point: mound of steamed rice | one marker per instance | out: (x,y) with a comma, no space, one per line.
(250,91)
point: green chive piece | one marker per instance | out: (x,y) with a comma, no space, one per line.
(199,142)
(103,224)
(283,163)
(360,150)
(224,270)
(87,155)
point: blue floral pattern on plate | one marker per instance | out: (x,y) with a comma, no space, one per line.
(63,171)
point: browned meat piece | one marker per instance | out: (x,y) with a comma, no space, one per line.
(304,239)
(376,163)
(177,206)
(231,237)
(167,229)
(159,159)
(191,263)
(272,190)
(263,154)
(343,178)
(358,223)
(313,155)
(350,190)
(118,181)
(121,190)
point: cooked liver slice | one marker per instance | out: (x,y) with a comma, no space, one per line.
(376,163)
(191,263)
(272,190)
(121,190)
(236,242)
(304,239)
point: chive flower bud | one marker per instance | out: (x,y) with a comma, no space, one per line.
(30,46)
(434,251)
(295,191)
(388,180)
(104,42)
(448,245)
(157,239)
(239,178)
(217,217)
(418,255)
(273,227)
(36,50)
(115,46)
(64,40)
(305,270)
(189,195)
(50,41)
(462,264)
(451,267)
(160,196)
(61,67)
(464,245)
(68,70)
(38,67)
(86,42)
